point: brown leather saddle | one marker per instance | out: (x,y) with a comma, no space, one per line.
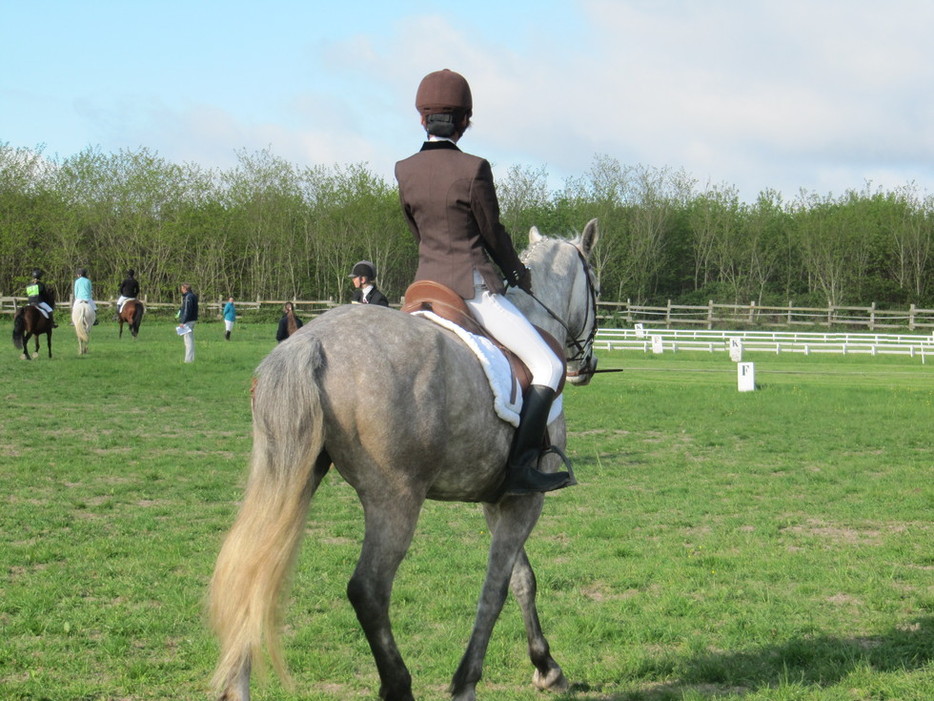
(427,295)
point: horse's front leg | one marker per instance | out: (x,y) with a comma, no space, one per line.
(511,521)
(548,674)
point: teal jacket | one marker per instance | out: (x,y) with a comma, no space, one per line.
(83,289)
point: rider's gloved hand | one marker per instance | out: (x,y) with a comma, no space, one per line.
(522,278)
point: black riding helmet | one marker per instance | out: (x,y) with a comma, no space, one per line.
(364,269)
(36,273)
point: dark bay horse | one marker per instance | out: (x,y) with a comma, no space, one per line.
(132,315)
(414,422)
(30,322)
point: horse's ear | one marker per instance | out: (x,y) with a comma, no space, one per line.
(534,235)
(589,237)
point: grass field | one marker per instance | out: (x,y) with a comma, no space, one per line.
(775,544)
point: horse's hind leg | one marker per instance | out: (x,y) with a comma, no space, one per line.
(26,355)
(511,521)
(390,525)
(239,687)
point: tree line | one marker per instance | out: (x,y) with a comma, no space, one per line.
(269,229)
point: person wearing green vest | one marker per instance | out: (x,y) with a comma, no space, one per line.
(39,296)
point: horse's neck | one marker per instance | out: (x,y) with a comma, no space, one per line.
(552,287)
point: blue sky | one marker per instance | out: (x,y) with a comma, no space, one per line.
(824,95)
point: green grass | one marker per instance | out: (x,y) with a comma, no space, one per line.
(774,544)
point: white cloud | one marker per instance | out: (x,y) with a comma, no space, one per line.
(768,94)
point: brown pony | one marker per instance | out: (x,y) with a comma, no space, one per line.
(132,315)
(30,322)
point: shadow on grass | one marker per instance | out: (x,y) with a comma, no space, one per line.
(812,661)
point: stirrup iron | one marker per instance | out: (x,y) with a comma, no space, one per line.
(555,450)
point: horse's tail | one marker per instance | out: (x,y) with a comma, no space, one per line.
(81,317)
(19,325)
(257,557)
(137,315)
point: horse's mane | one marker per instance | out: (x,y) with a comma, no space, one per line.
(575,238)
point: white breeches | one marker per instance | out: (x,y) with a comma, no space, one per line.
(509,326)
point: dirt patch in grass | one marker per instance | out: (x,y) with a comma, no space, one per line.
(814,528)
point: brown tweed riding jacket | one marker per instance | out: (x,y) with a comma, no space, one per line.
(450,204)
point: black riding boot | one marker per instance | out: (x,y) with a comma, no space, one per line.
(227,335)
(523,476)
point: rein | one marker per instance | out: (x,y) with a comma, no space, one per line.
(581,347)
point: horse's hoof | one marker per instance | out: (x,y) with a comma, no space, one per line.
(554,680)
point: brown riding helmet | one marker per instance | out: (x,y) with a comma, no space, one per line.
(444,92)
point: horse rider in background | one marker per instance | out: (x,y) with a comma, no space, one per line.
(450,204)
(129,289)
(83,291)
(38,296)
(364,280)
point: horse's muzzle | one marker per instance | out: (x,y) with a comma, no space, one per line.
(584,372)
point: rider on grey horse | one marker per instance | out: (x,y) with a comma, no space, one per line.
(460,238)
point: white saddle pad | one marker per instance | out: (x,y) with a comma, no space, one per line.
(507,395)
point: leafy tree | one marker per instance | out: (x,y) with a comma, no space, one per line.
(908,224)
(23,198)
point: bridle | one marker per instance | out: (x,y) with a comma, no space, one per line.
(581,343)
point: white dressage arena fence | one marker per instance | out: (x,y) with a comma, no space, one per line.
(661,340)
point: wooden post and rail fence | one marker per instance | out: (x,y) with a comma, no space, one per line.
(624,314)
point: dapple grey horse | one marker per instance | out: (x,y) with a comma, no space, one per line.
(436,436)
